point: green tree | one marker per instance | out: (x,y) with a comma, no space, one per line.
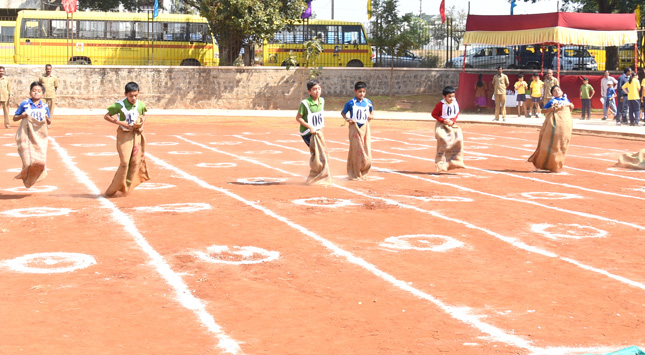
(237,23)
(110,5)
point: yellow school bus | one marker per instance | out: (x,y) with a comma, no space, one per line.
(625,56)
(344,44)
(112,38)
(6,42)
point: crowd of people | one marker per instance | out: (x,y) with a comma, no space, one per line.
(622,98)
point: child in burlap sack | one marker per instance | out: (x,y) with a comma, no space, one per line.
(31,135)
(450,154)
(130,141)
(358,112)
(555,133)
(311,118)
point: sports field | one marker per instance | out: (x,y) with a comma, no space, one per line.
(226,250)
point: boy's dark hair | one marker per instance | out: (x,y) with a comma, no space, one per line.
(584,78)
(553,87)
(627,70)
(537,75)
(499,67)
(48,65)
(448,90)
(35,83)
(1,67)
(131,86)
(360,85)
(520,75)
(311,84)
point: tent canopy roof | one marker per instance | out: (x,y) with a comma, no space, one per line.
(557,27)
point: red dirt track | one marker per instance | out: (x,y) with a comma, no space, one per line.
(494,259)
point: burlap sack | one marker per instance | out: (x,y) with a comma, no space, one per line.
(632,160)
(132,170)
(31,138)
(319,161)
(359,158)
(553,143)
(450,153)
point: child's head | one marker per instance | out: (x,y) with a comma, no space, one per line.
(585,80)
(132,92)
(556,91)
(36,91)
(1,71)
(520,77)
(609,83)
(314,89)
(48,69)
(360,90)
(449,94)
(536,76)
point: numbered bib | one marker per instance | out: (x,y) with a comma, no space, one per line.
(130,115)
(449,111)
(360,114)
(316,120)
(39,114)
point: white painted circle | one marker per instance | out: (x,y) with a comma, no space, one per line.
(43,188)
(409,148)
(176,152)
(110,168)
(296,162)
(216,165)
(176,207)
(13,154)
(473,158)
(154,186)
(261,181)
(162,143)
(387,161)
(263,152)
(222,254)
(439,198)
(14,170)
(101,154)
(50,263)
(37,212)
(549,195)
(422,242)
(225,143)
(324,202)
(88,145)
(568,231)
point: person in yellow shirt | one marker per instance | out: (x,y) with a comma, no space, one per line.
(536,94)
(520,88)
(643,96)
(50,82)
(633,88)
(5,96)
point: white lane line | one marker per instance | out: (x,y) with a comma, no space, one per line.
(182,292)
(512,241)
(510,174)
(463,314)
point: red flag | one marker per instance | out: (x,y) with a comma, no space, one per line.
(69,6)
(442,10)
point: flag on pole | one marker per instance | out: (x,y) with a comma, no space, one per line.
(155,13)
(69,6)
(369,9)
(442,11)
(513,4)
(307,13)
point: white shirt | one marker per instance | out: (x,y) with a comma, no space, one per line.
(603,84)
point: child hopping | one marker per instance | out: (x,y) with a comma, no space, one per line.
(450,140)
(360,112)
(311,118)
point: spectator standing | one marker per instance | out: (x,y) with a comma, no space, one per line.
(621,97)
(610,99)
(633,89)
(50,82)
(603,92)
(586,93)
(5,96)
(480,94)
(500,83)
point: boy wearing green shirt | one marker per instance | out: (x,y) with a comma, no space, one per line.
(586,93)
(311,119)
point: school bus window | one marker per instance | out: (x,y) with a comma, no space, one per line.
(332,34)
(353,35)
(196,32)
(91,29)
(7,34)
(119,29)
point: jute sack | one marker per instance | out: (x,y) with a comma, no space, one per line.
(553,143)
(359,158)
(31,138)
(632,160)
(132,170)
(450,153)
(319,161)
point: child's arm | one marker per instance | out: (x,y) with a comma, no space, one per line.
(592,92)
(436,114)
(113,119)
(20,116)
(303,123)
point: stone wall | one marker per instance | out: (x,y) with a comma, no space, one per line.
(220,87)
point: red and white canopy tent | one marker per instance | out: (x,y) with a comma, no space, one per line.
(557,28)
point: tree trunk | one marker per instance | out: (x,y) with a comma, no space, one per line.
(229,48)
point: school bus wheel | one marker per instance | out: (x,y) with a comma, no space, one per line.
(80,61)
(355,63)
(190,62)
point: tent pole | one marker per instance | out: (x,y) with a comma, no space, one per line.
(542,66)
(558,56)
(463,65)
(636,58)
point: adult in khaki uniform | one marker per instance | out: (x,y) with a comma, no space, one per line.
(50,82)
(5,96)
(549,82)
(500,83)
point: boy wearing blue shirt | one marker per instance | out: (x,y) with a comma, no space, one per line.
(358,112)
(610,99)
